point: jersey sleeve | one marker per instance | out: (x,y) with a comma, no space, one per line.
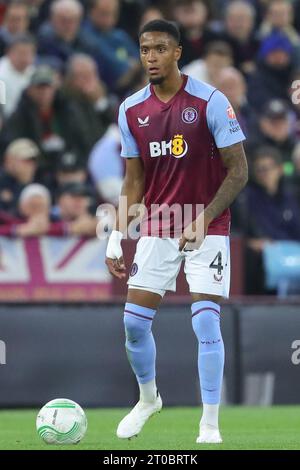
(222,121)
(128,143)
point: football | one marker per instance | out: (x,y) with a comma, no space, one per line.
(61,421)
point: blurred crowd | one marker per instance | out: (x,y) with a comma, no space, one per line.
(66,66)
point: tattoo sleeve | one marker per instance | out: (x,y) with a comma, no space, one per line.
(234,159)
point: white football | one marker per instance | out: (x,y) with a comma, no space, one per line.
(61,421)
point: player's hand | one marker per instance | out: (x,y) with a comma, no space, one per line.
(188,238)
(194,234)
(114,255)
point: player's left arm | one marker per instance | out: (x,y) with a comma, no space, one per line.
(228,138)
(234,160)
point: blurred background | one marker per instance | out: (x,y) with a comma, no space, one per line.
(66,66)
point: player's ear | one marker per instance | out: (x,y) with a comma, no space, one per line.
(178,52)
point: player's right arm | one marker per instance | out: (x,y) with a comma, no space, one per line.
(132,190)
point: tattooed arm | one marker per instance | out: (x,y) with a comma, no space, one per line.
(234,160)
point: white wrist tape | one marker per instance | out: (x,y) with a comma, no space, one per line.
(114,249)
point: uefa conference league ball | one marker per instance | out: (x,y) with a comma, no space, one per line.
(61,421)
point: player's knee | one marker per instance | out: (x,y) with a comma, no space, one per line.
(204,321)
(136,328)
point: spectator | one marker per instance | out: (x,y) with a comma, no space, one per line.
(218,55)
(271,213)
(240,35)
(93,106)
(16,68)
(73,204)
(275,66)
(69,169)
(34,208)
(57,66)
(33,214)
(192,17)
(280,16)
(16,21)
(61,36)
(106,166)
(72,216)
(233,84)
(149,14)
(119,52)
(19,169)
(38,13)
(274,129)
(131,13)
(45,116)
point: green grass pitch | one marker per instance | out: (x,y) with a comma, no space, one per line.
(174,428)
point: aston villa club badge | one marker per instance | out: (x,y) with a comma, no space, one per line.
(133,270)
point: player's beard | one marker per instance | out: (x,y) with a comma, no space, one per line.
(156,80)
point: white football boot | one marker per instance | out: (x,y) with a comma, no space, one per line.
(209,435)
(133,423)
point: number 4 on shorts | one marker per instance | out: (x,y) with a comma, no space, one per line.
(218,266)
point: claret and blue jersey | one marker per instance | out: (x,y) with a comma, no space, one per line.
(178,142)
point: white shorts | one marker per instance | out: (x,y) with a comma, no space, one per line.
(157,263)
